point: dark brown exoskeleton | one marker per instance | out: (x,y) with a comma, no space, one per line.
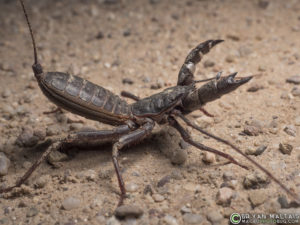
(134,122)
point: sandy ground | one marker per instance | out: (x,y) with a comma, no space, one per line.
(146,42)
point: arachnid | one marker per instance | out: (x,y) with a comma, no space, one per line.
(133,122)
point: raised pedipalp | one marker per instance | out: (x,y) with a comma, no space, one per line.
(186,73)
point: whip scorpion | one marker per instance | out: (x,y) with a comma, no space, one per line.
(133,122)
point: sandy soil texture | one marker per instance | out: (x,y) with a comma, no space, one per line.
(139,46)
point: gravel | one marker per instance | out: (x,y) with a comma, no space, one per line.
(132,187)
(190,218)
(252,130)
(208,63)
(166,179)
(158,197)
(255,181)
(42,181)
(4,164)
(285,148)
(224,196)
(128,211)
(290,130)
(71,203)
(28,138)
(215,217)
(296,91)
(209,157)
(170,220)
(257,151)
(257,197)
(255,88)
(294,79)
(32,212)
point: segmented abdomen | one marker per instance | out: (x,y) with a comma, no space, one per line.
(84,98)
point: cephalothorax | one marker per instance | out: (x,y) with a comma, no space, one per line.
(134,122)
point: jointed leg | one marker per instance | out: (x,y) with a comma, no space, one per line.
(132,137)
(75,138)
(186,73)
(191,124)
(127,94)
(187,138)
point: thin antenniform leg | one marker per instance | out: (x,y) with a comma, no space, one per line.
(127,139)
(193,125)
(187,138)
(186,73)
(205,112)
(127,94)
(73,139)
(21,181)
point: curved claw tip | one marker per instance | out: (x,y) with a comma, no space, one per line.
(233,75)
(245,79)
(218,41)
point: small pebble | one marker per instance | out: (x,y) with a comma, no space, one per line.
(296,91)
(27,138)
(192,187)
(148,189)
(224,196)
(284,204)
(158,197)
(262,68)
(290,130)
(191,218)
(233,37)
(100,35)
(155,86)
(6,93)
(251,130)
(22,204)
(294,79)
(127,81)
(230,58)
(215,217)
(263,4)
(42,181)
(56,156)
(228,175)
(257,151)
(170,220)
(100,219)
(112,221)
(245,51)
(297,121)
(166,179)
(185,209)
(128,211)
(132,187)
(89,175)
(76,126)
(255,87)
(209,157)
(71,203)
(204,121)
(126,33)
(32,212)
(255,181)
(111,1)
(285,148)
(257,198)
(209,63)
(4,164)
(53,130)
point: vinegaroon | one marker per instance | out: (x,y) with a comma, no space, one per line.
(134,122)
